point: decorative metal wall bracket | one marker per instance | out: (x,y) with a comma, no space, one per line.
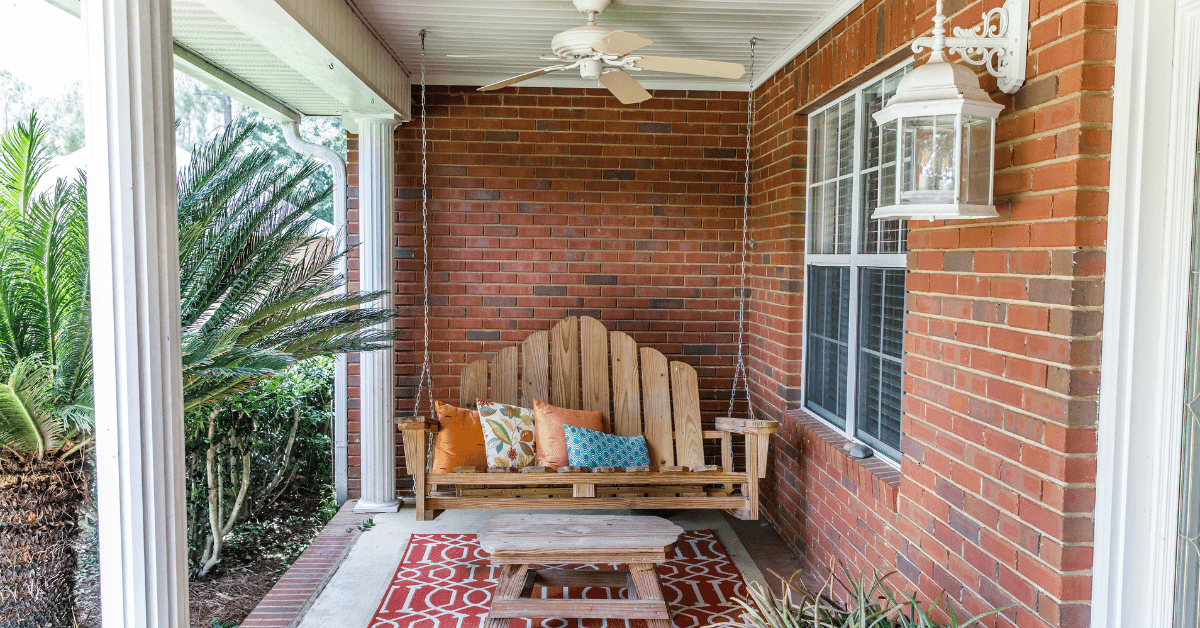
(1000,43)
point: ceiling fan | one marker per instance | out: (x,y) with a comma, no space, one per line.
(602,53)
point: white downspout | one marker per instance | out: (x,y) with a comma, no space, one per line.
(291,133)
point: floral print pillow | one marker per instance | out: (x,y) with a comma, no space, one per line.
(507,434)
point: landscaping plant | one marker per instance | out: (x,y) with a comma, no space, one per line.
(869,602)
(45,381)
(258,295)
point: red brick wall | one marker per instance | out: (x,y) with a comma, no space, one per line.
(995,500)
(548,203)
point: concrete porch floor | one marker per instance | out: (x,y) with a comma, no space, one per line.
(353,593)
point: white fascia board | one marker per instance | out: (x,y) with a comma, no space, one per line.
(217,78)
(214,76)
(326,42)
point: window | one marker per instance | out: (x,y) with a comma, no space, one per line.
(854,319)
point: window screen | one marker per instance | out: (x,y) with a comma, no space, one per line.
(880,348)
(828,341)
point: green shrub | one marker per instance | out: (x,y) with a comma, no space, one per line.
(269,442)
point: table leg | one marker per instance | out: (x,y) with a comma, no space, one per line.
(648,587)
(511,582)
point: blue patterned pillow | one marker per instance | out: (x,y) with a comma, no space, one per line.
(589,448)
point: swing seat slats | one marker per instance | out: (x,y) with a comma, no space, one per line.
(579,364)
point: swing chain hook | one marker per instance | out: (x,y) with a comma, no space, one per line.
(739,372)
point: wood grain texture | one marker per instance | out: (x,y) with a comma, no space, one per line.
(685,397)
(564,363)
(504,377)
(656,407)
(582,475)
(535,368)
(750,488)
(650,610)
(473,383)
(571,503)
(593,359)
(627,406)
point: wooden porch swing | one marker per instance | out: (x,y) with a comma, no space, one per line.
(581,365)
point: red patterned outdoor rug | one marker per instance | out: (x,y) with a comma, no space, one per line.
(445,581)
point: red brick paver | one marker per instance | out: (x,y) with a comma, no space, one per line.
(285,605)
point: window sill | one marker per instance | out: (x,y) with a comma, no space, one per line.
(871,480)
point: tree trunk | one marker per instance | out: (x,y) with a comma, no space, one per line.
(39,505)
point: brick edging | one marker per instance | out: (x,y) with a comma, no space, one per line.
(291,597)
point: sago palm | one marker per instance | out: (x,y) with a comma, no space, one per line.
(257,282)
(258,293)
(45,381)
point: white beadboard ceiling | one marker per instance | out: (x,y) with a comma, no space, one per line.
(718,30)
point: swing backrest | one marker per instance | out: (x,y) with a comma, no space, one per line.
(579,364)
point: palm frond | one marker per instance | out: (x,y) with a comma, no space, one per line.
(28,421)
(256,285)
(25,153)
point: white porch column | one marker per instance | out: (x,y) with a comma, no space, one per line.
(376,187)
(135,313)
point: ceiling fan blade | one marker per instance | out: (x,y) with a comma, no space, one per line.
(619,43)
(523,77)
(719,69)
(627,90)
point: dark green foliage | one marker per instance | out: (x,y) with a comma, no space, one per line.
(256,282)
(270,443)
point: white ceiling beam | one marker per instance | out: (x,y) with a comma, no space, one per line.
(326,42)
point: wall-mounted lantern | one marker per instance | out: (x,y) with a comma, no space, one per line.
(940,128)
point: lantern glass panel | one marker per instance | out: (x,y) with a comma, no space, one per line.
(977,134)
(887,175)
(928,178)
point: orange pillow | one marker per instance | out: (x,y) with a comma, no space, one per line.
(548,424)
(459,441)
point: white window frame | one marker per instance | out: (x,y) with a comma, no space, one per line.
(853,260)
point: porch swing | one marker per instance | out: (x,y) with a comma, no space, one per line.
(569,365)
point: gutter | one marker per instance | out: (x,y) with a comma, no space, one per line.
(291,133)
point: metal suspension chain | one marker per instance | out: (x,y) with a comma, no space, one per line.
(739,372)
(425,382)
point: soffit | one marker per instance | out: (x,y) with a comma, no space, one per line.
(719,30)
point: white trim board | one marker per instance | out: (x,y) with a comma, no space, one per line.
(1145,312)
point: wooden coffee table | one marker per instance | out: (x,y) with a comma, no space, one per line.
(517,541)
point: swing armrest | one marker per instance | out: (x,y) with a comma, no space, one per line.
(735,425)
(420,424)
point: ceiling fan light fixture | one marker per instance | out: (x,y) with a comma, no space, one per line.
(590,68)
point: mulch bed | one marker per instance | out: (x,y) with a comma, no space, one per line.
(256,557)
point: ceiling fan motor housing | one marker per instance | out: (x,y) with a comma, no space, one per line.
(577,42)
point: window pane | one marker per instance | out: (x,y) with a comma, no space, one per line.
(879,236)
(846,138)
(880,348)
(831,186)
(816,144)
(827,341)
